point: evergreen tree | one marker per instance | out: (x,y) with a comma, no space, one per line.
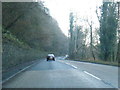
(71,32)
(108,31)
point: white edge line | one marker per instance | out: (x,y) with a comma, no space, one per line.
(92,75)
(15,74)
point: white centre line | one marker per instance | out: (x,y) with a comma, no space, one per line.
(74,66)
(92,75)
(69,64)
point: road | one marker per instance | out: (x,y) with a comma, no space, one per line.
(65,74)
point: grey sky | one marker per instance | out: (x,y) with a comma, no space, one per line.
(60,10)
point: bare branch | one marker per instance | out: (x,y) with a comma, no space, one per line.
(97,14)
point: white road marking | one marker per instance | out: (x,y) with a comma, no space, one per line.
(16,73)
(70,65)
(92,75)
(74,66)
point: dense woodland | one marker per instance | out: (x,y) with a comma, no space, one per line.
(29,33)
(101,43)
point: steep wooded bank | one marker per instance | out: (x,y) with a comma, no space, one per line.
(29,33)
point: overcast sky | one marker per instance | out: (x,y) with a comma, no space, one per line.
(60,9)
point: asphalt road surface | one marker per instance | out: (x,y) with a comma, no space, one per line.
(65,74)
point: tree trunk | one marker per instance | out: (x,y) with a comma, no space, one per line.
(118,52)
(91,42)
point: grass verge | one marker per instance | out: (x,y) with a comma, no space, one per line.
(100,62)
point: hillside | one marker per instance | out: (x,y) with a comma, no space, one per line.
(29,33)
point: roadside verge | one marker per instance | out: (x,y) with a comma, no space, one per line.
(7,75)
(99,62)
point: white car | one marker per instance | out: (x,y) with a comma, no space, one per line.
(50,57)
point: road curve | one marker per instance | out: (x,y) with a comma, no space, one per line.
(65,74)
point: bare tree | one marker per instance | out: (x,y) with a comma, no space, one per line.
(91,37)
